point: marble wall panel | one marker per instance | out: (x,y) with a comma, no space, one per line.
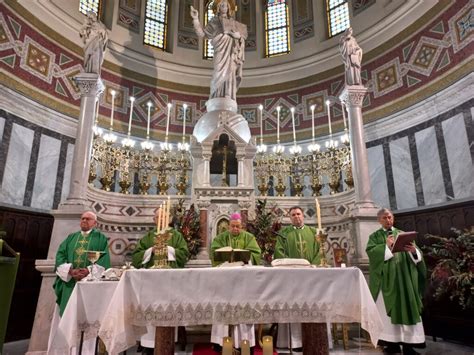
(430,166)
(2,125)
(46,173)
(459,157)
(378,177)
(403,174)
(16,166)
(67,172)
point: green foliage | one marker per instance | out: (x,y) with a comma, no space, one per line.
(452,274)
(187,222)
(263,227)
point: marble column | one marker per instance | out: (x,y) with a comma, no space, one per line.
(91,87)
(364,212)
(240,170)
(67,216)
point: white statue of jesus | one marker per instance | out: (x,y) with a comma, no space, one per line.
(228,40)
(95,38)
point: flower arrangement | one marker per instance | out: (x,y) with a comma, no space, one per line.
(186,221)
(452,274)
(264,227)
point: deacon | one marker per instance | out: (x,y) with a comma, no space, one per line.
(297,241)
(72,265)
(143,257)
(396,281)
(236,238)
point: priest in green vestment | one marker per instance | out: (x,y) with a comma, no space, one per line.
(396,282)
(71,258)
(236,238)
(297,241)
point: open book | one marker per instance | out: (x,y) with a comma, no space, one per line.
(404,238)
(231,255)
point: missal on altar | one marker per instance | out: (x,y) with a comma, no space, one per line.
(403,239)
(231,255)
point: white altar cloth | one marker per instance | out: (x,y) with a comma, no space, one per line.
(83,313)
(240,295)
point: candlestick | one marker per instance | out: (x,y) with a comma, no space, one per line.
(132,100)
(112,112)
(227,346)
(260,108)
(344,114)
(329,118)
(293,122)
(267,346)
(184,120)
(244,347)
(278,124)
(318,215)
(312,121)
(148,121)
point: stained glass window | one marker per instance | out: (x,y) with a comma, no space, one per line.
(156,23)
(338,16)
(208,49)
(277,29)
(89,5)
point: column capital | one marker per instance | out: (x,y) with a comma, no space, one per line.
(89,84)
(203,204)
(353,95)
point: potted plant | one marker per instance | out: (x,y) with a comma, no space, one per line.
(187,222)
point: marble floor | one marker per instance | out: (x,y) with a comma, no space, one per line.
(439,347)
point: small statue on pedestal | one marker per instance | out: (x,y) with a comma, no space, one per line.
(95,38)
(352,56)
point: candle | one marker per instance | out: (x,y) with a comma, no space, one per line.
(157,216)
(227,346)
(318,214)
(244,347)
(97,111)
(112,112)
(167,215)
(328,103)
(168,121)
(267,345)
(344,114)
(148,121)
(132,100)
(184,119)
(312,120)
(278,124)
(293,122)
(260,108)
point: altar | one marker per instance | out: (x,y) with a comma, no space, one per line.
(119,312)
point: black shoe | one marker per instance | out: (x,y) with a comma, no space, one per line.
(392,349)
(148,351)
(217,348)
(408,350)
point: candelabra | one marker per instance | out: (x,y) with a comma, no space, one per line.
(321,238)
(160,260)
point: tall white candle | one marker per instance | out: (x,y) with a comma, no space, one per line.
(318,215)
(293,123)
(112,111)
(278,124)
(312,120)
(260,109)
(185,107)
(148,121)
(344,114)
(168,120)
(328,103)
(132,100)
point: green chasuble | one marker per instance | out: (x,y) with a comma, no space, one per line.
(176,241)
(298,244)
(399,278)
(73,251)
(244,240)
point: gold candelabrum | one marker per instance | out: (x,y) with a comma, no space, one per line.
(295,168)
(134,169)
(162,235)
(321,238)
